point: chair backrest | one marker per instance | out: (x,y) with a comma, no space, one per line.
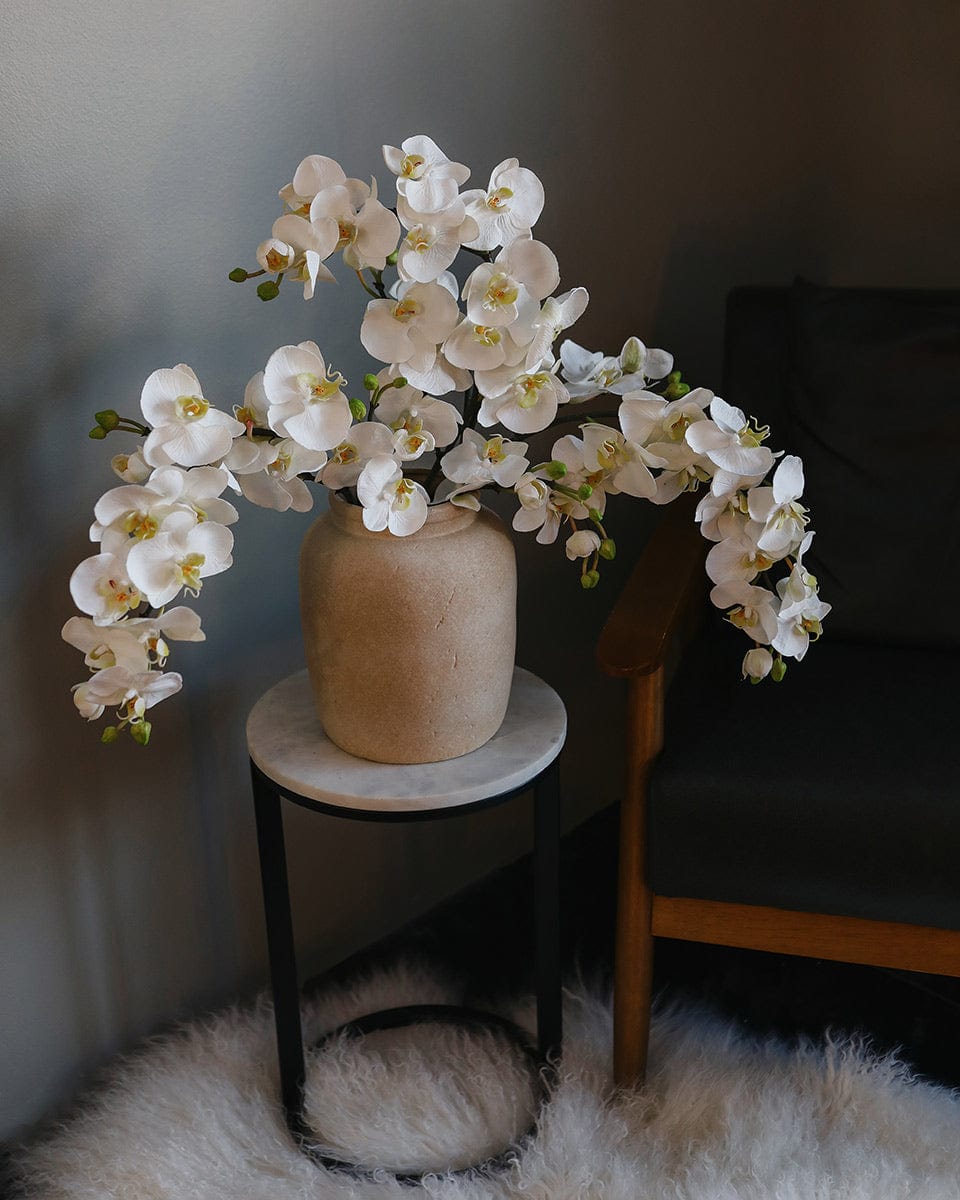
(864,385)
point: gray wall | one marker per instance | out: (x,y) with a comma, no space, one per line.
(685,146)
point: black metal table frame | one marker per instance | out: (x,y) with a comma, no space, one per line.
(284,978)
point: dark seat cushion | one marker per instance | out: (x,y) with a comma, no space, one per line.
(837,790)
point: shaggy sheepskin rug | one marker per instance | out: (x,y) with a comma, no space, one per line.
(193,1115)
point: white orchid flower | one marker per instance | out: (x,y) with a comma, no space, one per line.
(801,609)
(495,291)
(732,444)
(277,486)
(398,331)
(722,517)
(102,587)
(275,255)
(135,643)
(186,430)
(777,509)
(364,441)
(750,608)
(480,461)
(523,402)
(180,557)
(314,174)
(625,464)
(508,208)
(434,374)
(757,663)
(426,178)
(432,240)
(390,501)
(312,243)
(115,686)
(582,544)
(736,557)
(131,468)
(486,347)
(306,402)
(557,314)
(366,233)
(587,373)
(650,420)
(408,409)
(537,509)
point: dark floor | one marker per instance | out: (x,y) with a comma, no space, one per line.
(484,936)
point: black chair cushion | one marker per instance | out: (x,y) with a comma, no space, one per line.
(834,791)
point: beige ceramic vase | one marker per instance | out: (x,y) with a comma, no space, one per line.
(410,641)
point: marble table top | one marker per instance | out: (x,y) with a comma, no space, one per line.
(286,741)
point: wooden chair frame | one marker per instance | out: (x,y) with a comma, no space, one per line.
(656,615)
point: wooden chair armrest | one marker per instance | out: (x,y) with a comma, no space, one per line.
(662,602)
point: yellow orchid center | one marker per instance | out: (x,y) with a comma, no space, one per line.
(120,595)
(317,388)
(753,434)
(497,199)
(608,453)
(188,571)
(529,387)
(246,416)
(415,443)
(493,449)
(677,428)
(191,408)
(140,525)
(501,291)
(403,492)
(407,421)
(346,453)
(280,465)
(276,260)
(405,309)
(742,617)
(487,334)
(420,238)
(412,166)
(347,234)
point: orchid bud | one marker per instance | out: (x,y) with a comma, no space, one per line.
(267,291)
(589,579)
(556,469)
(607,549)
(110,735)
(392,257)
(595,515)
(97,433)
(359,409)
(584,491)
(107,419)
(140,732)
(778,670)
(675,386)
(630,356)
(400,382)
(238,275)
(370,382)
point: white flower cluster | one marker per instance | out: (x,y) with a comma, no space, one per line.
(489,337)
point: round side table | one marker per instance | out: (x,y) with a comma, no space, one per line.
(291,757)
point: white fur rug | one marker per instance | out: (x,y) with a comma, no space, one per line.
(193,1115)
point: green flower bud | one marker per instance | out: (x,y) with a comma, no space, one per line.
(267,291)
(107,419)
(392,258)
(589,579)
(596,516)
(97,433)
(140,732)
(400,382)
(238,275)
(370,382)
(358,408)
(778,670)
(584,491)
(755,679)
(675,387)
(110,734)
(607,549)
(556,469)
(630,356)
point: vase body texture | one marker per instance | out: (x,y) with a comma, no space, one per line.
(410,641)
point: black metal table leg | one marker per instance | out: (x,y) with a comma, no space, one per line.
(546,874)
(284,980)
